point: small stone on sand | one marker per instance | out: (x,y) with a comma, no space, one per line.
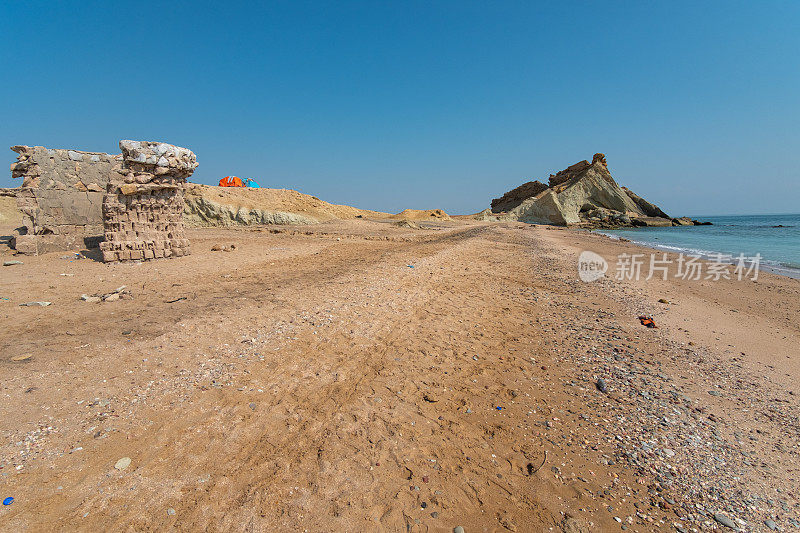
(724,520)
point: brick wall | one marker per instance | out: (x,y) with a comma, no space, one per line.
(143,205)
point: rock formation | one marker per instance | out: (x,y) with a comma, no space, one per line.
(143,205)
(574,170)
(683,221)
(650,210)
(514,197)
(202,211)
(583,194)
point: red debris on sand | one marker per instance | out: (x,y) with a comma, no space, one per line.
(647,321)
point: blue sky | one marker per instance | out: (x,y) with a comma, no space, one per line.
(389,105)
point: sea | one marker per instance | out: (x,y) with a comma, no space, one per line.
(775,237)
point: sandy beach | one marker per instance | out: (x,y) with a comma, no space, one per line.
(412,267)
(360,376)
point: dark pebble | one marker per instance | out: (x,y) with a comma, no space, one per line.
(724,520)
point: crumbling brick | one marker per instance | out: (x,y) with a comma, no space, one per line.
(143,205)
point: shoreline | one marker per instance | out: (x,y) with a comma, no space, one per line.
(765,265)
(741,295)
(770,236)
(732,346)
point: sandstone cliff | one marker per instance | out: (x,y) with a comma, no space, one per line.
(583,194)
(647,208)
(514,197)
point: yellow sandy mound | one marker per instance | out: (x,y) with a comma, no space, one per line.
(281,200)
(421,214)
(9,214)
(406,224)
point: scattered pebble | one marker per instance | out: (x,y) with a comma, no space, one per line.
(724,520)
(123,463)
(116,294)
(223,247)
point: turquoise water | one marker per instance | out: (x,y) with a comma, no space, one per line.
(779,246)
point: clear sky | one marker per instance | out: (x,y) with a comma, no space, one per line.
(389,105)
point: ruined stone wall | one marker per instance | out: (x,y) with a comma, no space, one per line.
(60,197)
(143,205)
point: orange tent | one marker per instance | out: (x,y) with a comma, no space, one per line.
(231,181)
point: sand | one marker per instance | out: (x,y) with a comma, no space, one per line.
(421,214)
(10,216)
(362,376)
